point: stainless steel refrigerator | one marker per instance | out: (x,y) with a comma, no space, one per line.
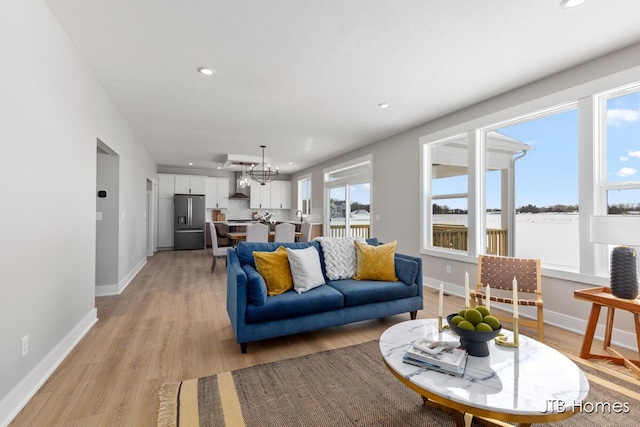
(189,221)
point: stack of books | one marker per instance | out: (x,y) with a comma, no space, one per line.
(446,357)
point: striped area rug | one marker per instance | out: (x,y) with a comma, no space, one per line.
(348,387)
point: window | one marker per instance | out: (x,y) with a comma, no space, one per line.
(304,195)
(534,182)
(531,188)
(525,172)
(619,162)
(621,143)
(447,194)
(348,199)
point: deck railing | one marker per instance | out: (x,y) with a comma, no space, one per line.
(444,236)
(453,236)
(359,230)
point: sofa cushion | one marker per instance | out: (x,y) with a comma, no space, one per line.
(245,250)
(375,262)
(256,286)
(358,292)
(305,268)
(406,270)
(274,267)
(291,304)
(339,256)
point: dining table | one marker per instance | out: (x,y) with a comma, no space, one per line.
(237,236)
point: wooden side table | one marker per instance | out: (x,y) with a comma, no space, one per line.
(602,297)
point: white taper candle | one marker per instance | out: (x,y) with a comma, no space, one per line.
(488,304)
(441,300)
(466,289)
(515,298)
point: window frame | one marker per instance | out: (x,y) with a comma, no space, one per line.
(301,180)
(588,144)
(601,252)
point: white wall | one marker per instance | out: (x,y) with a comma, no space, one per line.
(396,181)
(52,111)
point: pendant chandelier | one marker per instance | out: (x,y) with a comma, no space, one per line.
(244,180)
(265,174)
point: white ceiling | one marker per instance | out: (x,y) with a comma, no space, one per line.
(305,77)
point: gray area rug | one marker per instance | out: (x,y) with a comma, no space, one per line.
(352,387)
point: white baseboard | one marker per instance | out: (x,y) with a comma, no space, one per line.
(620,338)
(116,289)
(13,403)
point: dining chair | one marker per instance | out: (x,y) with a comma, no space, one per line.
(498,272)
(222,229)
(218,252)
(285,232)
(305,229)
(257,233)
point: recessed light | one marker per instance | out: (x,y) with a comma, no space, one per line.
(568,4)
(290,163)
(218,167)
(383,105)
(206,71)
(190,163)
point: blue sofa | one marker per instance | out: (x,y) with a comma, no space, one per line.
(336,303)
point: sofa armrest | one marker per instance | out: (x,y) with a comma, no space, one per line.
(418,280)
(236,292)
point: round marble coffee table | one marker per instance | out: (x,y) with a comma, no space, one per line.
(529,384)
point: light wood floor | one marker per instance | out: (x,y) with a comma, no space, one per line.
(171,324)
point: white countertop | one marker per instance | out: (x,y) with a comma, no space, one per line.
(247,222)
(520,381)
(251,222)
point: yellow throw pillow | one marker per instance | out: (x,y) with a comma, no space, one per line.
(274,267)
(375,262)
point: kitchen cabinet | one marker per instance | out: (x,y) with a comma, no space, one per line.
(217,193)
(281,195)
(165,222)
(260,196)
(273,195)
(166,186)
(190,184)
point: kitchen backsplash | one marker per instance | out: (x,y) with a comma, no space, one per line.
(239,209)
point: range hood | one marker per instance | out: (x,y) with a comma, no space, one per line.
(239,196)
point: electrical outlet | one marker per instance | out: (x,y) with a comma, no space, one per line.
(448,269)
(25,345)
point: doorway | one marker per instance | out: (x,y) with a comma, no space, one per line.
(107,223)
(150,213)
(348,199)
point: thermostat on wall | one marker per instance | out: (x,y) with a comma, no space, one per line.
(102,193)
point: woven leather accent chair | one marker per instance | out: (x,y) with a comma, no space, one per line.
(498,272)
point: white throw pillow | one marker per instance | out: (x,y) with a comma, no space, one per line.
(339,256)
(305,269)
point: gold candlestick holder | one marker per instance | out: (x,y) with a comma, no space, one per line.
(502,340)
(441,327)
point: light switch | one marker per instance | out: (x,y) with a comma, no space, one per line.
(377,217)
(98,216)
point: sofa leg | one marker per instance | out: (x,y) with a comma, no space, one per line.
(413,315)
(243,348)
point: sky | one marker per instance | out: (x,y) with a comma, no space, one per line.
(548,174)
